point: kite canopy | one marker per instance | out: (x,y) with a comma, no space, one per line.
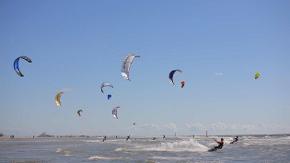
(171,75)
(115,112)
(126,66)
(106,84)
(16,64)
(257,75)
(79,112)
(57,98)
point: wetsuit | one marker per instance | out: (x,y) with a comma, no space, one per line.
(235,140)
(220,146)
(128,137)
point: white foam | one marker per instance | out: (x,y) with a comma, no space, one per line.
(65,152)
(190,145)
(96,157)
(171,158)
(119,149)
(92,141)
(266,141)
(58,150)
(228,140)
(180,146)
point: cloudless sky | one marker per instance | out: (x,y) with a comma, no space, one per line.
(77,45)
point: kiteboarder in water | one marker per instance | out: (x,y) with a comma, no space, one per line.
(219,146)
(105,138)
(236,139)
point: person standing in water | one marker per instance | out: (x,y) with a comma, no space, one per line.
(219,146)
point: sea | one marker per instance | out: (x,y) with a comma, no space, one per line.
(183,149)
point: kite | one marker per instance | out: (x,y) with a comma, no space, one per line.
(126,66)
(16,64)
(171,75)
(57,98)
(115,112)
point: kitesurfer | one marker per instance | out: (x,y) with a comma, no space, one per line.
(236,139)
(219,146)
(105,138)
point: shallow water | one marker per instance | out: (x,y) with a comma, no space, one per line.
(263,149)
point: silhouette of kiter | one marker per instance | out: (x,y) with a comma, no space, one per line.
(105,138)
(128,137)
(219,146)
(236,139)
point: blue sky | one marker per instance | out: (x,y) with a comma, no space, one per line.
(76,45)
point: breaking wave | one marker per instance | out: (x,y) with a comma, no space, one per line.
(181,146)
(96,157)
(65,152)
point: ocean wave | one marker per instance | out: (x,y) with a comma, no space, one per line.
(96,157)
(91,141)
(266,141)
(170,158)
(285,137)
(65,152)
(181,146)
